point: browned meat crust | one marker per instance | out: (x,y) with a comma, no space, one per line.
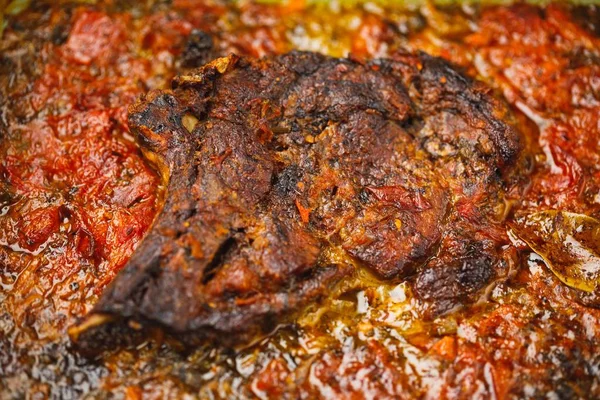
(283,175)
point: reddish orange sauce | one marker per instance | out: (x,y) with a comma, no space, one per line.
(76,197)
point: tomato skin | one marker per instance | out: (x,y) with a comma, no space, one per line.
(94,38)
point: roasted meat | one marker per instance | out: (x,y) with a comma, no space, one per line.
(287,174)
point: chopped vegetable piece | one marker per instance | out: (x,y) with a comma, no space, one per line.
(568,242)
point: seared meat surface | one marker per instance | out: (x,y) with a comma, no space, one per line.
(286,174)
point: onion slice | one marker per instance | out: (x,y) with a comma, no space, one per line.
(569,243)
